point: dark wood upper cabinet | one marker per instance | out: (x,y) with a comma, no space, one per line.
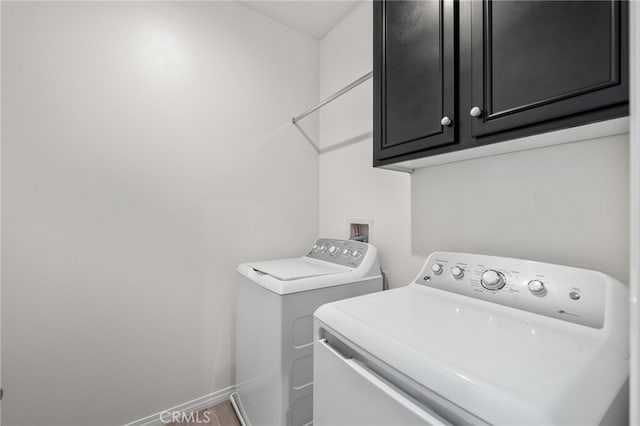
(498,70)
(534,61)
(414,76)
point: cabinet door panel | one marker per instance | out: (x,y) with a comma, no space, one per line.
(534,61)
(413,75)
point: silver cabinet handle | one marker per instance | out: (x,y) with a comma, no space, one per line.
(475,112)
(446,121)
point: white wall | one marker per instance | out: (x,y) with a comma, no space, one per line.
(566,204)
(350,188)
(146,151)
(634,194)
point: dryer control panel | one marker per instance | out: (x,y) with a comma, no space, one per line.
(562,292)
(342,252)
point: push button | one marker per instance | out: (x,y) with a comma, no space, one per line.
(574,295)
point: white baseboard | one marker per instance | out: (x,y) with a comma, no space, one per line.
(194,405)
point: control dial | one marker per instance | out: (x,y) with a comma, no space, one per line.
(457,272)
(492,280)
(333,250)
(537,288)
(436,268)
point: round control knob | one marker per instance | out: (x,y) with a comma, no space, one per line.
(333,250)
(346,252)
(492,280)
(436,268)
(537,287)
(475,112)
(323,249)
(316,248)
(356,254)
(457,272)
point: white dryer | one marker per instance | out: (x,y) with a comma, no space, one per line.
(274,325)
(477,340)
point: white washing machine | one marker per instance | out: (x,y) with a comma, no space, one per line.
(477,340)
(274,325)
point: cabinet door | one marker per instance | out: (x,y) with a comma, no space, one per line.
(414,76)
(533,61)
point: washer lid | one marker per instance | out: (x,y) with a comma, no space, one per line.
(509,352)
(295,269)
(502,364)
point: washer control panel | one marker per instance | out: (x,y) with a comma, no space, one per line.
(342,252)
(563,292)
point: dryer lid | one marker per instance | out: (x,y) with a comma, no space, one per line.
(295,269)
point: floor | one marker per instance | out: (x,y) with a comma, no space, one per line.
(218,415)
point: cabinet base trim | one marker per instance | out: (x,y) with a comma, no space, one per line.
(574,134)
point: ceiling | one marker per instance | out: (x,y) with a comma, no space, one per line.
(314,18)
